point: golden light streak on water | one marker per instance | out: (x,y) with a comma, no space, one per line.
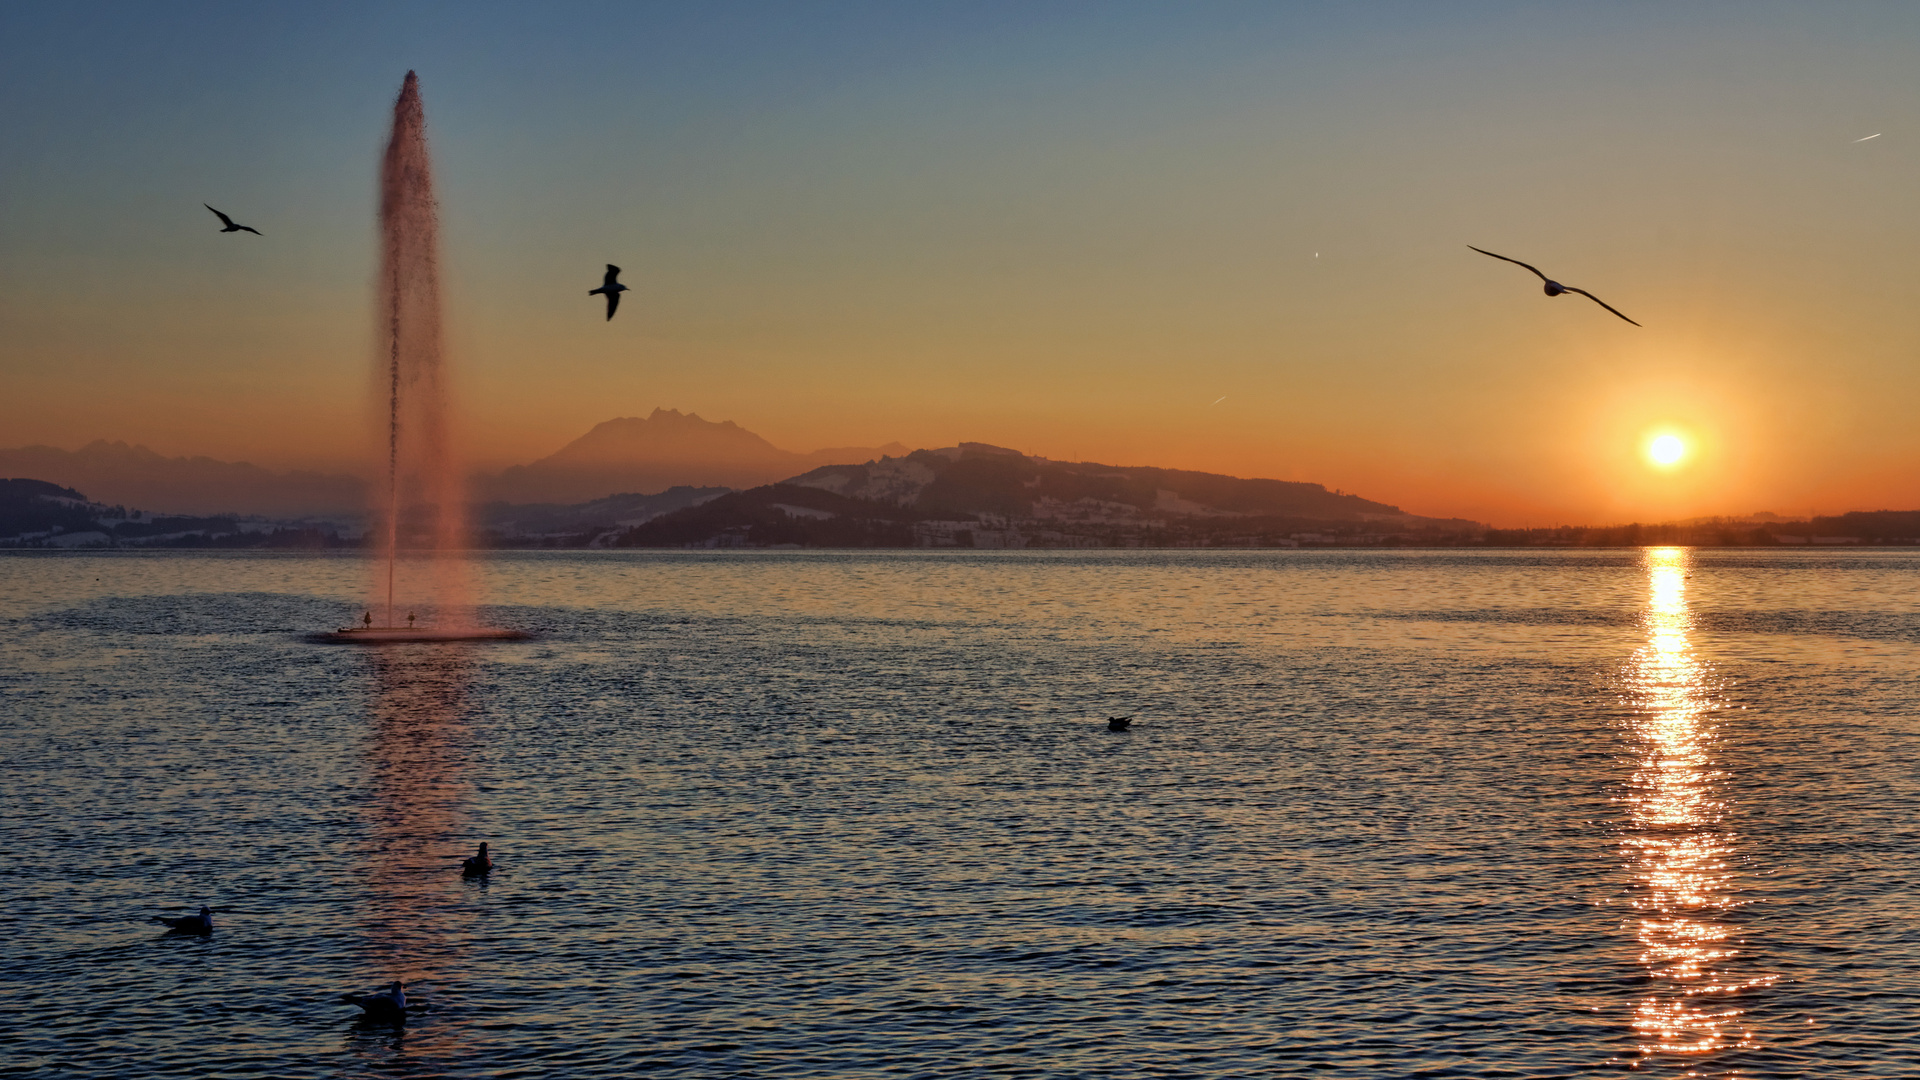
(1679,850)
(415,923)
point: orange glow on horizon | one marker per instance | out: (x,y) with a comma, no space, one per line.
(1210,270)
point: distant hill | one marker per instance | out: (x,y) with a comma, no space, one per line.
(581,524)
(38,514)
(113,472)
(1873,526)
(665,449)
(975,478)
(976,495)
(37,507)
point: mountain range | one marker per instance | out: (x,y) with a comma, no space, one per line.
(134,476)
(969,496)
(629,455)
(972,496)
(666,449)
(977,495)
(673,479)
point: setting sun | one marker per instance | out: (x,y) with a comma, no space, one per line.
(1666,450)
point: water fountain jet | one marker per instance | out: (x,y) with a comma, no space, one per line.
(422,477)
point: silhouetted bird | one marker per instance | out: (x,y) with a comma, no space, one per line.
(478,865)
(1554,288)
(230,226)
(1119,723)
(391,1005)
(189,924)
(612,288)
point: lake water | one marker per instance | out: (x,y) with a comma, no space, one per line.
(829,814)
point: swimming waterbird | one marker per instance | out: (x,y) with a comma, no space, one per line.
(189,924)
(230,226)
(477,866)
(1119,723)
(390,1005)
(1553,287)
(612,288)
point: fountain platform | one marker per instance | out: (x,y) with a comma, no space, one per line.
(394,635)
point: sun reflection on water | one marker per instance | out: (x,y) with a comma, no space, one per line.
(1679,851)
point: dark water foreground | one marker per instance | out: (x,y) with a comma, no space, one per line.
(849,815)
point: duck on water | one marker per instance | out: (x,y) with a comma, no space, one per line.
(479,865)
(389,1004)
(189,924)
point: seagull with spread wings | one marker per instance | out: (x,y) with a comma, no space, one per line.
(612,288)
(231,226)
(1554,288)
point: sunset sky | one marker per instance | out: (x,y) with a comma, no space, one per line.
(1070,229)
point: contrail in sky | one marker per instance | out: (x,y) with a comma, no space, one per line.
(1875,135)
(1218,400)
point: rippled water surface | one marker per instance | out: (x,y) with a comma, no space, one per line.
(858,814)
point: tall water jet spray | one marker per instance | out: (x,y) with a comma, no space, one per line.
(422,505)
(420,470)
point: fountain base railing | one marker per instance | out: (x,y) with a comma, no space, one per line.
(394,635)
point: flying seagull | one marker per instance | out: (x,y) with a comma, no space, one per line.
(612,288)
(229,223)
(1554,288)
(189,924)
